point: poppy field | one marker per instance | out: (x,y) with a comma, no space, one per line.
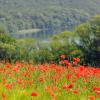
(63,81)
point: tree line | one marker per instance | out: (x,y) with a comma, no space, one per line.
(83,42)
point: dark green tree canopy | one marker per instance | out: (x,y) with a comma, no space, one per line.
(89,34)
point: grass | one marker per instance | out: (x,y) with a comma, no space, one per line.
(49,82)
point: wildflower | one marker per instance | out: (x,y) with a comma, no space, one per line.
(41,79)
(65,86)
(82,68)
(47,88)
(75,63)
(9,86)
(75,91)
(98,93)
(1,70)
(24,86)
(3,96)
(76,60)
(74,80)
(20,81)
(55,88)
(62,62)
(68,76)
(91,98)
(30,68)
(85,80)
(16,69)
(69,64)
(69,86)
(28,82)
(34,94)
(62,56)
(78,75)
(96,89)
(3,80)
(8,65)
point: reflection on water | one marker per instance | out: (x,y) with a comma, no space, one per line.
(43,34)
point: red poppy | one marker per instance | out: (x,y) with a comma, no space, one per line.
(47,88)
(91,98)
(74,80)
(8,65)
(82,68)
(98,93)
(28,82)
(24,87)
(78,75)
(20,81)
(65,86)
(62,56)
(9,86)
(34,94)
(76,60)
(3,96)
(69,86)
(96,89)
(68,76)
(75,91)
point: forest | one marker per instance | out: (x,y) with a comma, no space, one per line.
(52,15)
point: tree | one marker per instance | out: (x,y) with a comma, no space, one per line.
(7,47)
(89,43)
(64,43)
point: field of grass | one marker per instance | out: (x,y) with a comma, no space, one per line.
(66,81)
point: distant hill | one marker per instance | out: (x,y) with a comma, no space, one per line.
(18,15)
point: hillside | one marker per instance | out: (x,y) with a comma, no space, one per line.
(18,15)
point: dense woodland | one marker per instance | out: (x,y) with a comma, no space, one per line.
(55,15)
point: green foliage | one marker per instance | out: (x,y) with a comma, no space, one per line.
(62,43)
(2,30)
(7,47)
(61,14)
(83,43)
(89,34)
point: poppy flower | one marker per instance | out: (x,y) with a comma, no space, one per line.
(20,81)
(62,56)
(96,89)
(74,80)
(3,96)
(75,91)
(78,75)
(47,88)
(77,59)
(68,76)
(75,62)
(34,94)
(91,98)
(81,68)
(9,86)
(65,86)
(69,86)
(98,93)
